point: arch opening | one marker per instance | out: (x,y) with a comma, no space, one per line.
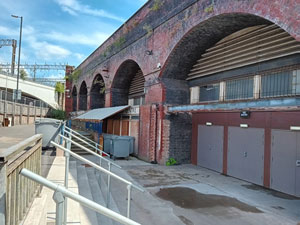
(74,99)
(98,93)
(128,85)
(193,45)
(83,96)
(201,60)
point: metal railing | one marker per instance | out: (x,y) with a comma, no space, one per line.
(19,192)
(90,151)
(7,96)
(88,141)
(94,145)
(101,169)
(61,193)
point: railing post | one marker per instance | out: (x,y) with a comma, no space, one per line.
(108,186)
(67,158)
(3,192)
(100,164)
(128,200)
(34,104)
(67,166)
(62,133)
(59,200)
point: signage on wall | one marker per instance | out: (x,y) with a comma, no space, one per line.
(245,114)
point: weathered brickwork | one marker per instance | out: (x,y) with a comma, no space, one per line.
(177,33)
(181,137)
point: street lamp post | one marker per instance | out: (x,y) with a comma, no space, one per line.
(19,55)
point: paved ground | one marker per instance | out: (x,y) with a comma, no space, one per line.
(200,196)
(10,136)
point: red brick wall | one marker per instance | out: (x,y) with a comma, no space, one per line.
(68,95)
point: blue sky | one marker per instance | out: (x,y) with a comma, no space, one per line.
(61,31)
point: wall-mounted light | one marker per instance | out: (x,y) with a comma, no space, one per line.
(158,66)
(67,90)
(243,125)
(149,52)
(295,128)
(208,123)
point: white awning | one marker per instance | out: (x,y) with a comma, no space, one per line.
(101,114)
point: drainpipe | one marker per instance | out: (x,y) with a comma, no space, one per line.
(155,136)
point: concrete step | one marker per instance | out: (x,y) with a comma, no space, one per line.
(88,217)
(97,195)
(102,182)
(73,215)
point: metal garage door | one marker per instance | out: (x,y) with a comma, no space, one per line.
(246,154)
(285,175)
(210,147)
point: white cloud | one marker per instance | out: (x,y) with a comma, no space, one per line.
(79,56)
(94,39)
(46,51)
(8,31)
(74,7)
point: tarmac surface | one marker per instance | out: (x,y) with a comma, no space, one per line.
(197,195)
(10,136)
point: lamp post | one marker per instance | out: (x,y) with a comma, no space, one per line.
(19,55)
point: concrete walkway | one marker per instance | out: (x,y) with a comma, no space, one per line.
(10,136)
(200,196)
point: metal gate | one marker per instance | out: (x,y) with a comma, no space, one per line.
(285,173)
(246,154)
(210,147)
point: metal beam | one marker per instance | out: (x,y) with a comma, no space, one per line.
(37,66)
(8,42)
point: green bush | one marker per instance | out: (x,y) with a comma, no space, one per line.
(171,162)
(58,114)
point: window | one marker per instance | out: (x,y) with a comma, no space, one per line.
(239,89)
(210,92)
(137,101)
(278,84)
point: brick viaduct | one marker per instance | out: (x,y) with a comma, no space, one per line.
(165,38)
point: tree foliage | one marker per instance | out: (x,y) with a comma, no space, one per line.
(58,114)
(59,87)
(23,74)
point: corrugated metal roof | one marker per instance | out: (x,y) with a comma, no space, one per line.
(101,114)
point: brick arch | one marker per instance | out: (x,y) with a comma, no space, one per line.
(97,93)
(83,93)
(74,98)
(193,44)
(122,80)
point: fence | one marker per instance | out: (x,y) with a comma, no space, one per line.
(23,111)
(16,192)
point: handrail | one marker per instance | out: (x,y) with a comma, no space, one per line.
(17,193)
(89,151)
(16,149)
(78,198)
(108,172)
(78,138)
(96,166)
(77,133)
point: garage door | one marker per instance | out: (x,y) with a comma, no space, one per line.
(246,154)
(210,147)
(285,174)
